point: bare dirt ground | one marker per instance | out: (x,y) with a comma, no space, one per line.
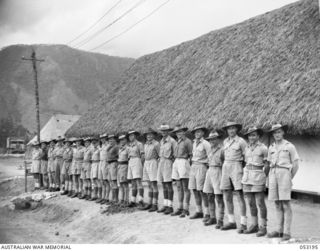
(65,220)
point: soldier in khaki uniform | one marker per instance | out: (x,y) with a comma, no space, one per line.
(123,170)
(71,188)
(86,169)
(112,156)
(284,164)
(95,160)
(58,161)
(44,165)
(167,146)
(150,170)
(135,168)
(200,152)
(78,155)
(36,164)
(181,170)
(51,170)
(66,166)
(254,180)
(103,170)
(232,171)
(213,179)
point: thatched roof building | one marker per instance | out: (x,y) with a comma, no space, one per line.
(263,70)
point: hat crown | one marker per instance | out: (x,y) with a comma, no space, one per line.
(164,127)
(122,136)
(276,126)
(104,135)
(213,134)
(231,123)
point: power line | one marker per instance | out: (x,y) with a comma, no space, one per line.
(93,25)
(126,30)
(85,41)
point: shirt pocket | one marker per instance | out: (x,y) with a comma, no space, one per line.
(257,158)
(166,150)
(199,153)
(284,157)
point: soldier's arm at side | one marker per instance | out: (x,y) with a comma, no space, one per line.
(294,159)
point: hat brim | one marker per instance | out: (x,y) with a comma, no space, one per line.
(204,129)
(183,129)
(284,128)
(135,133)
(165,130)
(216,137)
(239,126)
(259,131)
(150,132)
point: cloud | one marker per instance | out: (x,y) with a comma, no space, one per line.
(59,21)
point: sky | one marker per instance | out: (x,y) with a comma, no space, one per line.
(60,21)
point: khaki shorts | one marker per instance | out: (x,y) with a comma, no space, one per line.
(103,170)
(253,181)
(180,169)
(213,179)
(66,168)
(122,173)
(94,170)
(280,184)
(76,167)
(51,166)
(44,166)
(85,171)
(197,176)
(164,170)
(36,166)
(232,173)
(150,170)
(112,171)
(135,169)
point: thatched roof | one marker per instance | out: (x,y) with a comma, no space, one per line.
(263,70)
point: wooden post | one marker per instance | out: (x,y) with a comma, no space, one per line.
(25,176)
(36,87)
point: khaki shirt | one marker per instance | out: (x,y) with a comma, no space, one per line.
(112,152)
(200,151)
(103,152)
(183,149)
(167,147)
(234,149)
(67,154)
(78,153)
(95,154)
(152,149)
(87,154)
(136,149)
(36,154)
(123,154)
(216,156)
(50,153)
(256,155)
(58,151)
(282,155)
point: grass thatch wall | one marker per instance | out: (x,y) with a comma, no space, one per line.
(263,70)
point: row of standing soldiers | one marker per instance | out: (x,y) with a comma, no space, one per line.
(100,169)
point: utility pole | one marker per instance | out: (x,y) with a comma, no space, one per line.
(34,61)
